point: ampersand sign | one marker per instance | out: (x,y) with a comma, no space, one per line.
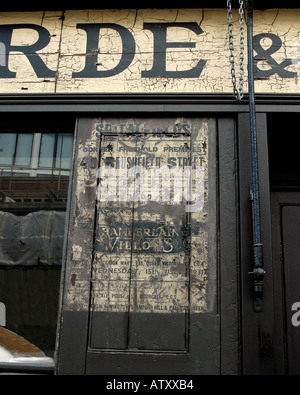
(265,54)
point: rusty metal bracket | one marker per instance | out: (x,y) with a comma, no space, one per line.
(258,277)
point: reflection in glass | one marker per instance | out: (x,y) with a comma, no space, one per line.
(24,148)
(7,148)
(47,150)
(34,180)
(64,151)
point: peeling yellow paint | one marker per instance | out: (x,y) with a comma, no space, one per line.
(66,52)
(77,252)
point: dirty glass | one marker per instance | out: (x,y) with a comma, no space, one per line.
(64,151)
(15,148)
(47,150)
(7,148)
(34,177)
(23,149)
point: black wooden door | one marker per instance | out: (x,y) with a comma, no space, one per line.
(141,292)
(291,264)
(286,245)
(270,338)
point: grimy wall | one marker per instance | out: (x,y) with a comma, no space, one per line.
(149,50)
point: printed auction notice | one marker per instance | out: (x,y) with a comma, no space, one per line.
(156,214)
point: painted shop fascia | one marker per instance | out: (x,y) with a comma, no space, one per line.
(143,51)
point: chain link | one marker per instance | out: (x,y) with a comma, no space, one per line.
(238,91)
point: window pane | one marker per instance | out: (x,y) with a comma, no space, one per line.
(7,148)
(18,174)
(24,148)
(47,150)
(64,151)
(33,200)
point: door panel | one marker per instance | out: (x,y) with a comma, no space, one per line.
(286,262)
(141,266)
(141,274)
(291,273)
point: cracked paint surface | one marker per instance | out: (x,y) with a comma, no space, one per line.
(142,255)
(66,52)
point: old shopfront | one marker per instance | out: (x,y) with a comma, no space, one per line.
(126,190)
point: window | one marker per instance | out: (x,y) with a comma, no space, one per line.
(47,152)
(56,150)
(15,149)
(23,149)
(7,148)
(34,177)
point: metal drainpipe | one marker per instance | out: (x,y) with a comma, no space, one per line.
(258,270)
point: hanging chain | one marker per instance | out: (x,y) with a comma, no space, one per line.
(238,91)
